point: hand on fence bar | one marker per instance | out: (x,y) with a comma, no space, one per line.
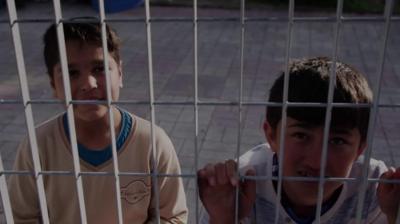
(389,194)
(217,190)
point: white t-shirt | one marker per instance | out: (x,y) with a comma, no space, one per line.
(343,210)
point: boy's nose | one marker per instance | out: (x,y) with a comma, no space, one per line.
(313,155)
(88,82)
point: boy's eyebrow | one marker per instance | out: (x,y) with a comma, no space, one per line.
(334,129)
(98,61)
(301,125)
(71,65)
(341,130)
(59,69)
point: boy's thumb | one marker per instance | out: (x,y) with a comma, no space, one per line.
(248,194)
(201,181)
(249,186)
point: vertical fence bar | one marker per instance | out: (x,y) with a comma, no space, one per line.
(328,113)
(23,81)
(398,212)
(70,110)
(152,114)
(5,197)
(374,111)
(196,104)
(284,109)
(106,57)
(240,98)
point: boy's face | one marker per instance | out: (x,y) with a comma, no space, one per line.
(302,157)
(88,79)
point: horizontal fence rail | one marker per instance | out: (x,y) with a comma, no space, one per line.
(289,21)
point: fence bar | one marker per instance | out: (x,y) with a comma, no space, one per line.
(196,106)
(69,106)
(38,173)
(260,177)
(152,114)
(398,212)
(390,11)
(328,115)
(229,19)
(374,111)
(23,81)
(5,197)
(240,99)
(314,179)
(204,103)
(284,109)
(107,58)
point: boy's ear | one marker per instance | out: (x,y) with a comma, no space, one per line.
(120,74)
(362,147)
(53,86)
(52,83)
(271,136)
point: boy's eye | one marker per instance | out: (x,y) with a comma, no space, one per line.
(337,141)
(300,135)
(73,73)
(98,70)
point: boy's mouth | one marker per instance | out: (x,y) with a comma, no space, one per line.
(304,173)
(101,100)
(92,98)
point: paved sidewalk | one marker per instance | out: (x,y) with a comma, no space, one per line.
(219,72)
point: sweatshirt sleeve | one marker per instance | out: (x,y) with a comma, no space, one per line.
(22,188)
(172,203)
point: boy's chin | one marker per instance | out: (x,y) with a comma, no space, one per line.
(305,199)
(90,112)
(306,193)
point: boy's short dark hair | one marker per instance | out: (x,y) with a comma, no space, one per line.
(77,29)
(309,82)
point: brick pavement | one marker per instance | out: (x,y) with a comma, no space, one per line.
(219,69)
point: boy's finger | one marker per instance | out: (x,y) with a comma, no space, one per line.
(201,173)
(200,178)
(387,174)
(221,175)
(397,173)
(384,188)
(231,171)
(210,174)
(249,186)
(202,182)
(248,194)
(250,172)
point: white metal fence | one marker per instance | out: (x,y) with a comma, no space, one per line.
(240,102)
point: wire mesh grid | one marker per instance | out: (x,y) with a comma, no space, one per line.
(237,107)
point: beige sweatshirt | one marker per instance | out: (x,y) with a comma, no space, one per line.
(137,198)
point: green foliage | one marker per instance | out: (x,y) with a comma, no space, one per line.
(350,6)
